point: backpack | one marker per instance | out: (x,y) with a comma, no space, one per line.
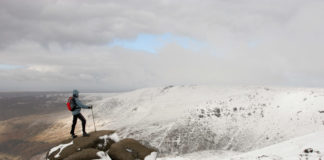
(71,104)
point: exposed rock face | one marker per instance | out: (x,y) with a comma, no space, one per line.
(129,149)
(82,147)
(100,145)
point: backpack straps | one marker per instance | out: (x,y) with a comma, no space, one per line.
(75,104)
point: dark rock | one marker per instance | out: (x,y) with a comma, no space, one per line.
(128,149)
(308,150)
(82,143)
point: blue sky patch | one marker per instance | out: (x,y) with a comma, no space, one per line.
(9,66)
(153,42)
(253,44)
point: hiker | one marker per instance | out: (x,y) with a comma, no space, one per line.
(76,113)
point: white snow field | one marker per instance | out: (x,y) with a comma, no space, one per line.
(204,122)
(290,150)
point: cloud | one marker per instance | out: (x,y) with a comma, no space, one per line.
(44,68)
(101,45)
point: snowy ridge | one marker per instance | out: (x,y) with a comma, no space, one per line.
(185,119)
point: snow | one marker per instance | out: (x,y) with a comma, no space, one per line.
(290,150)
(202,155)
(103,156)
(105,138)
(190,119)
(113,137)
(152,156)
(60,147)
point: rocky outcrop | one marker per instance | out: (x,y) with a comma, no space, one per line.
(101,145)
(129,149)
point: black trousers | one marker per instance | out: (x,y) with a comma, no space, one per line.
(74,122)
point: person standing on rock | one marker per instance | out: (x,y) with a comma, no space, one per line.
(77,105)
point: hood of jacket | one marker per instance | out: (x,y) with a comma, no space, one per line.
(75,93)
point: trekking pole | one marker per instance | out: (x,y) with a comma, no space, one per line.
(93,121)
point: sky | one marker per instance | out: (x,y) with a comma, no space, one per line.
(105,45)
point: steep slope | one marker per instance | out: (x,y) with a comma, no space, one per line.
(184,119)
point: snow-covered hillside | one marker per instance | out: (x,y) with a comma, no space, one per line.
(309,147)
(184,119)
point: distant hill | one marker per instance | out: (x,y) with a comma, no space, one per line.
(16,104)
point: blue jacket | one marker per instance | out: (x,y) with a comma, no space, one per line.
(78,103)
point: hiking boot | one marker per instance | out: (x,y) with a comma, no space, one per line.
(73,136)
(85,134)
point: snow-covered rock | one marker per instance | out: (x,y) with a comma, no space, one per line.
(101,145)
(86,147)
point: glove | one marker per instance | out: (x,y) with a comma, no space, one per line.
(90,107)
